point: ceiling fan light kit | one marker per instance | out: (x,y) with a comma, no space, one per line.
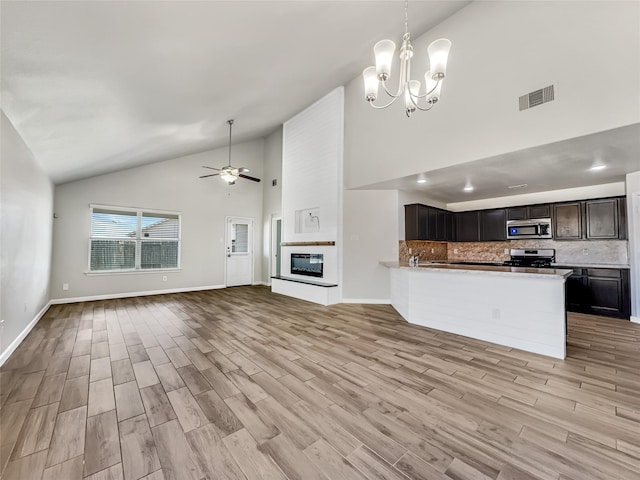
(230,173)
(409,90)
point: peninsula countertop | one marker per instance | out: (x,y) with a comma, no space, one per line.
(477,269)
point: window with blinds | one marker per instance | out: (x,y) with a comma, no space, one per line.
(133,239)
(240,238)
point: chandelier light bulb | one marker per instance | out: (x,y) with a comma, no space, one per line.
(438,52)
(371,83)
(383,51)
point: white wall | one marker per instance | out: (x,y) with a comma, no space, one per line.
(272,198)
(25,237)
(170,185)
(502,50)
(370,235)
(633,223)
(312,165)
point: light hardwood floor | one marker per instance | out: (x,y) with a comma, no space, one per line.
(242,383)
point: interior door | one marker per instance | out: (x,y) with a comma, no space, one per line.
(276,249)
(239,251)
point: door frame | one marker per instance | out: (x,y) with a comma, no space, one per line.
(273,258)
(633,225)
(227,222)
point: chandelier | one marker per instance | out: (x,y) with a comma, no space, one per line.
(408,89)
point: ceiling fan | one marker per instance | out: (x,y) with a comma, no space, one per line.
(230,173)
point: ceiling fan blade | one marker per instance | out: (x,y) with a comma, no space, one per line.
(241,175)
(210,168)
(212,175)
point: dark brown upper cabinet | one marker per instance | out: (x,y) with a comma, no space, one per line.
(493,225)
(416,222)
(450,227)
(468,226)
(600,219)
(539,211)
(517,213)
(567,223)
(605,218)
(422,222)
(529,212)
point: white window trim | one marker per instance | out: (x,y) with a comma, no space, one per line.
(138,240)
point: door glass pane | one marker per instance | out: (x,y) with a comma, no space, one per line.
(240,238)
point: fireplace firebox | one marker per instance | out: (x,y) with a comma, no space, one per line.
(310,264)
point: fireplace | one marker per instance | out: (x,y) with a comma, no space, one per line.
(309,264)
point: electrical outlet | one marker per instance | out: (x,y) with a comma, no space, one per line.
(410,252)
(506,251)
(433,250)
(495,314)
(164,278)
(455,250)
(65,286)
(585,251)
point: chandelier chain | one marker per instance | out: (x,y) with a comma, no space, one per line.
(406,16)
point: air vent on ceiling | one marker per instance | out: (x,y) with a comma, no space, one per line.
(538,97)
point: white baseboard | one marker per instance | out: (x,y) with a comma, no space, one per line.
(635,319)
(369,301)
(110,296)
(18,340)
(266,284)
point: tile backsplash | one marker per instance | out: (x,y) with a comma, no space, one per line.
(426,250)
(567,252)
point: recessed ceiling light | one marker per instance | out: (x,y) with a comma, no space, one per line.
(522,185)
(422,180)
(596,168)
(468,188)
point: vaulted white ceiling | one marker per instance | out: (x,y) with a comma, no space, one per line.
(94,87)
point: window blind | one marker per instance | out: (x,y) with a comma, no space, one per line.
(133,240)
(240,239)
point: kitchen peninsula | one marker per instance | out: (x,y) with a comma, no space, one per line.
(517,307)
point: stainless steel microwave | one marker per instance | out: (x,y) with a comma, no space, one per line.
(538,228)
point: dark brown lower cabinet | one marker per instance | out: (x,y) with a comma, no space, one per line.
(577,290)
(599,291)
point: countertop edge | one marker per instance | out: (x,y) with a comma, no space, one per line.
(489,269)
(590,265)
